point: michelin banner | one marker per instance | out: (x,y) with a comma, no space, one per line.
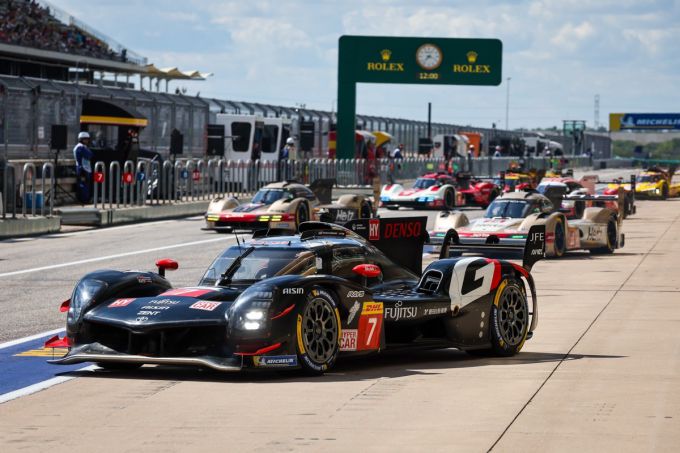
(643,121)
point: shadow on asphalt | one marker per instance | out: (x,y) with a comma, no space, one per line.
(387,365)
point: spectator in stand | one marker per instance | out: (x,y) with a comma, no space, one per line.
(27,23)
(497,153)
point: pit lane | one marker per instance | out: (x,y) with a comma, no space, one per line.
(601,371)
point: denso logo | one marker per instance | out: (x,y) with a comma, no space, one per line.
(403,230)
(294,291)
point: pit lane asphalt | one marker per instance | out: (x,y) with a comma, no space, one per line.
(600,374)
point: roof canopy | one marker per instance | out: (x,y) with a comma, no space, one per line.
(174,73)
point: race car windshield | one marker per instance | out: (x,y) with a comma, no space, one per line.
(269,196)
(513,209)
(424,183)
(648,178)
(257,264)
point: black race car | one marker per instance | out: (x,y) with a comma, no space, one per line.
(301,301)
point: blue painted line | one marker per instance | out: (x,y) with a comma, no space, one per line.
(19,372)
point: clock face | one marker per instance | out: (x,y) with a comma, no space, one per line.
(429,56)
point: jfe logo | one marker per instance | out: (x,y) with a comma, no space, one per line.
(373,230)
(537,237)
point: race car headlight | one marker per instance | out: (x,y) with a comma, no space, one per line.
(384,198)
(84,294)
(251,313)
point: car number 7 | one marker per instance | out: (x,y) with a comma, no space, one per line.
(373,322)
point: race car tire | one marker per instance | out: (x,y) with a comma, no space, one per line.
(449,199)
(627,207)
(301,214)
(366,212)
(560,244)
(318,332)
(118,366)
(509,320)
(611,239)
(392,208)
(664,191)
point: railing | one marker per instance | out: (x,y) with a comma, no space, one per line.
(149,183)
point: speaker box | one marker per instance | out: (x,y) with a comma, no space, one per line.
(58,136)
(176,142)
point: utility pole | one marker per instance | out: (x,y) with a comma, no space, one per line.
(429,120)
(507,106)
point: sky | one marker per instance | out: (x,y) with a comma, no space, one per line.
(559,54)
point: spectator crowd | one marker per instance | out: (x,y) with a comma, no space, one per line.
(27,23)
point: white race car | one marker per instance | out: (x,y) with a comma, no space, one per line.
(430,191)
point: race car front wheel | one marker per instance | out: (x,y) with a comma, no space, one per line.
(509,318)
(318,332)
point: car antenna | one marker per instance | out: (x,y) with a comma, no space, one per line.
(237,241)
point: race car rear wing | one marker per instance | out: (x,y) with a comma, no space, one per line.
(401,239)
(531,251)
(620,199)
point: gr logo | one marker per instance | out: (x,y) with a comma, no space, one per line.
(471,279)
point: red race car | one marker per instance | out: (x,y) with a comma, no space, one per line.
(475,191)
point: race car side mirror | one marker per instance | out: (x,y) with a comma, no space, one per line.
(367,270)
(166,263)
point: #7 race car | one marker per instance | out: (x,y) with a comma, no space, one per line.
(510,217)
(285,205)
(430,191)
(301,301)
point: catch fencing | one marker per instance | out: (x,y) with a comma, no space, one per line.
(150,182)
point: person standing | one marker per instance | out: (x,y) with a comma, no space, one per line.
(83,157)
(286,154)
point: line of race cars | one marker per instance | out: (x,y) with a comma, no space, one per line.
(300,298)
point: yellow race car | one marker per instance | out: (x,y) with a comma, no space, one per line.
(657,183)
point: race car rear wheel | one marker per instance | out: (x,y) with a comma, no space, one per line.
(449,199)
(509,318)
(318,332)
(301,214)
(611,239)
(560,244)
(664,191)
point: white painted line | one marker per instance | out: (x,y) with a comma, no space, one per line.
(30,338)
(118,255)
(41,385)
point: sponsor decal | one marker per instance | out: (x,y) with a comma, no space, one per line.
(187,292)
(121,303)
(353,311)
(344,215)
(374,230)
(355,294)
(319,262)
(293,291)
(348,341)
(400,312)
(472,279)
(143,279)
(370,325)
(275,361)
(372,308)
(435,311)
(164,302)
(594,232)
(403,230)
(205,305)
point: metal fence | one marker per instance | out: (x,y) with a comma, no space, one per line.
(185,180)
